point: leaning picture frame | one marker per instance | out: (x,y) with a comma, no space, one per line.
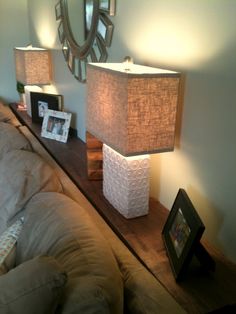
(181,234)
(40,102)
(56,125)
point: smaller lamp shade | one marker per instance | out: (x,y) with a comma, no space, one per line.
(133,111)
(33,66)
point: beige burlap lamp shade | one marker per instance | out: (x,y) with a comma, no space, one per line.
(33,66)
(133,111)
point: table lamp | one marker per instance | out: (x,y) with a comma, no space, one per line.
(33,68)
(132,110)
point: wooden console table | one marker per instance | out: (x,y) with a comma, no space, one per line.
(199,292)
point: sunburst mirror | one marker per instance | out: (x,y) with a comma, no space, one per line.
(85,31)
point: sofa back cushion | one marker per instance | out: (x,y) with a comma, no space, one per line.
(56,225)
(11,139)
(6,115)
(22,174)
(33,287)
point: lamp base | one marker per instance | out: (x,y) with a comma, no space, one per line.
(126,182)
(28,89)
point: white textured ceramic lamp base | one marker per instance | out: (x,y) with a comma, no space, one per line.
(126,182)
(22,99)
(28,89)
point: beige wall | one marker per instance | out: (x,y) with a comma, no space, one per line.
(198,38)
(14,31)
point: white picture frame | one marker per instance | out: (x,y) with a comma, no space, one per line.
(56,125)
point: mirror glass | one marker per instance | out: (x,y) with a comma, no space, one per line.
(88,11)
(76,15)
(85,31)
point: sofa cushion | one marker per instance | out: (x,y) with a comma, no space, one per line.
(63,229)
(32,287)
(143,295)
(11,139)
(8,245)
(22,174)
(6,115)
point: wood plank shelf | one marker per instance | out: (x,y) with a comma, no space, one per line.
(199,292)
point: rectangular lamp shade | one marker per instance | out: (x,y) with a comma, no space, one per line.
(33,66)
(133,111)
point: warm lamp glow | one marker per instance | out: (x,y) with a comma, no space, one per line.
(46,35)
(176,38)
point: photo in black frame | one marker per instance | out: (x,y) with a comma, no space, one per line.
(181,235)
(40,102)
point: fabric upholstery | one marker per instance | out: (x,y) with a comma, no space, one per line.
(61,228)
(32,287)
(6,115)
(22,174)
(8,246)
(11,139)
(144,295)
(8,256)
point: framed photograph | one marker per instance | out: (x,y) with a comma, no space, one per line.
(56,125)
(181,233)
(107,6)
(40,102)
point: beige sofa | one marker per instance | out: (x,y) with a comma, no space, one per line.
(64,245)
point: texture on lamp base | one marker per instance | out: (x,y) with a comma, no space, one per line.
(126,182)
(28,89)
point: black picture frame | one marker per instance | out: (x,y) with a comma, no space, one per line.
(40,102)
(181,235)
